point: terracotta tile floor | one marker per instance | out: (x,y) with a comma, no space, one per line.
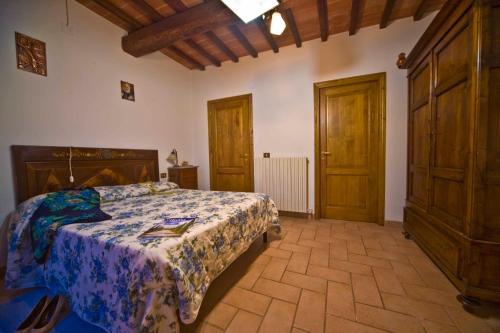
(329,276)
(336,276)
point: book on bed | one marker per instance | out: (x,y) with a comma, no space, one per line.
(170,227)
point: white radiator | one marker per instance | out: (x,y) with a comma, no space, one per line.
(285,180)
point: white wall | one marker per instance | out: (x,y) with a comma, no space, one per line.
(282,88)
(79,102)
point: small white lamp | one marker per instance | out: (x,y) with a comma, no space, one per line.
(172,158)
(278,25)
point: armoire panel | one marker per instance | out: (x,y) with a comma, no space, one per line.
(492,177)
(420,87)
(453,53)
(450,136)
(494,21)
(489,197)
(488,182)
(420,137)
(485,272)
(417,187)
(448,202)
(443,248)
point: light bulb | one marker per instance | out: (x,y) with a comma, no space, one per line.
(278,25)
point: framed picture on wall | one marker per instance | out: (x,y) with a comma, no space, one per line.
(30,53)
(127,91)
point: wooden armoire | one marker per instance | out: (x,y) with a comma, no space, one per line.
(453,185)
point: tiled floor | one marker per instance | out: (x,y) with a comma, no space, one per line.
(334,276)
(331,276)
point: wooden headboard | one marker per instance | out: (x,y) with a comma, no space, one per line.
(42,169)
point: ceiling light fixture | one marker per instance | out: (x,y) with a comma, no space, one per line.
(248,10)
(278,25)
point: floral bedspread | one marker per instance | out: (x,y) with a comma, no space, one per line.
(124,283)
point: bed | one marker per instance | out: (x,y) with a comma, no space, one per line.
(115,279)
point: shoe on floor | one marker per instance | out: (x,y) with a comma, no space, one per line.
(53,312)
(34,316)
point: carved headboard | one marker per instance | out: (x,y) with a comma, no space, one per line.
(42,169)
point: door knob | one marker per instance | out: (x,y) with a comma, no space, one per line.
(325,153)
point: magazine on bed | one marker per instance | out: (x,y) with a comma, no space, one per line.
(170,227)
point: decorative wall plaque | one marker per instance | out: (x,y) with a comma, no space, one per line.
(127,91)
(31,55)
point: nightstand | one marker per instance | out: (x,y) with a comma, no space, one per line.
(184,176)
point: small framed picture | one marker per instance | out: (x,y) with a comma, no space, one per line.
(127,91)
(31,56)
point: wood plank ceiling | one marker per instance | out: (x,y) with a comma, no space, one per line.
(200,33)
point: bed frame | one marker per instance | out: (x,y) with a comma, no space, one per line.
(42,169)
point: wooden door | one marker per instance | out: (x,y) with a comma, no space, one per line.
(231,144)
(350,146)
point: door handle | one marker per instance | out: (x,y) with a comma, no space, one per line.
(243,155)
(325,153)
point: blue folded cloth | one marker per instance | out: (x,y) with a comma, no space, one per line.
(59,209)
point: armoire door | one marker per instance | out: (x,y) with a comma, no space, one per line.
(450,127)
(350,148)
(231,144)
(419,135)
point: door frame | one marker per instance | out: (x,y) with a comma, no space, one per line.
(250,125)
(381,79)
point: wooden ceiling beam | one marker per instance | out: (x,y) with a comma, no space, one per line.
(118,13)
(290,19)
(176,5)
(267,35)
(420,11)
(323,19)
(147,10)
(142,6)
(203,52)
(243,40)
(221,46)
(179,6)
(184,56)
(355,8)
(386,15)
(198,19)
